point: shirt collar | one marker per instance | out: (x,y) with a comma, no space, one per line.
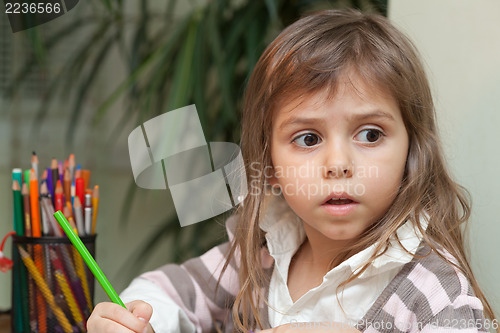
(285,233)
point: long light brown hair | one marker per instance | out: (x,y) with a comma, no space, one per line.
(308,57)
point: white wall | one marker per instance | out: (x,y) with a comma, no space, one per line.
(460,43)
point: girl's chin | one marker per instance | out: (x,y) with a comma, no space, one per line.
(335,234)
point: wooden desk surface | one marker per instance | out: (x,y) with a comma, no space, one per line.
(4,323)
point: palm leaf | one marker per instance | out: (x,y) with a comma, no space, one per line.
(86,85)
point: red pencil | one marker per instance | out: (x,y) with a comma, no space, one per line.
(80,189)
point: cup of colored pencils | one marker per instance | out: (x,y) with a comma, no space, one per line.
(52,288)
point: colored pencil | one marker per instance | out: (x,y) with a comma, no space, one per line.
(71,165)
(64,186)
(18,284)
(60,168)
(38,253)
(26,177)
(35,208)
(95,205)
(62,281)
(58,201)
(47,175)
(49,211)
(34,164)
(67,185)
(88,213)
(18,209)
(80,271)
(27,210)
(17,174)
(72,194)
(45,290)
(86,178)
(47,228)
(77,209)
(67,213)
(88,220)
(55,176)
(80,189)
(89,260)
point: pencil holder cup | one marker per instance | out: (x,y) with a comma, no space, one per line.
(52,287)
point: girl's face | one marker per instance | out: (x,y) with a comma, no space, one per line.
(351,147)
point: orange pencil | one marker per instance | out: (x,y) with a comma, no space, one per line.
(71,165)
(95,205)
(37,232)
(67,185)
(35,208)
(86,178)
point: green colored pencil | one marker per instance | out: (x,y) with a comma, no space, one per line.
(77,242)
(18,209)
(20,282)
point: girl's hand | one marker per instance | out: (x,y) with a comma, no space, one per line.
(111,317)
(297,327)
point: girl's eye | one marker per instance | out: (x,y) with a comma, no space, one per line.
(369,135)
(307,140)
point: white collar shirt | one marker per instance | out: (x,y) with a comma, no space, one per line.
(285,233)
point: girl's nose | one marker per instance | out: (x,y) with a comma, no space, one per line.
(338,162)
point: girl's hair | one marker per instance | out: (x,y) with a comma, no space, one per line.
(308,57)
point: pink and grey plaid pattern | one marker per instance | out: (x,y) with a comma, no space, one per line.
(427,295)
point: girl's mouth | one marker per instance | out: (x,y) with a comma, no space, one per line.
(340,206)
(340,201)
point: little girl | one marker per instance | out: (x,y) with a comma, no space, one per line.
(352,221)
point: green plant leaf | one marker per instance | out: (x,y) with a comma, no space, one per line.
(86,85)
(180,89)
(219,57)
(272,9)
(147,63)
(82,56)
(51,42)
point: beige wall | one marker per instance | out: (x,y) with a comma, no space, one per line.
(460,44)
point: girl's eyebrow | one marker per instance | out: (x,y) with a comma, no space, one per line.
(370,115)
(299,121)
(354,117)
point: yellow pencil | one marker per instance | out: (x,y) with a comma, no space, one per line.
(70,298)
(66,290)
(95,205)
(44,289)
